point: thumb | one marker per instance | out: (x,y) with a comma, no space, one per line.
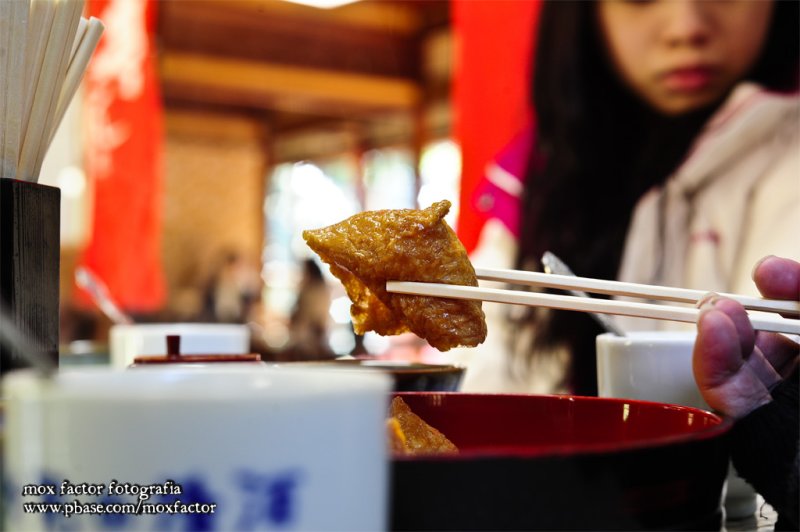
(778,278)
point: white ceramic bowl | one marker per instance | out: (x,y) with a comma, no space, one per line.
(288,449)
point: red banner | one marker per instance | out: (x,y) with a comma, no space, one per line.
(490,89)
(124,155)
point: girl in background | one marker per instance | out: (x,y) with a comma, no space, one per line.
(666,151)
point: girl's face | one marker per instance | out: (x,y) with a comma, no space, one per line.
(679,55)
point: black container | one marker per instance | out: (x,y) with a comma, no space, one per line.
(29,265)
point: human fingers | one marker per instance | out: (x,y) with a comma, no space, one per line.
(778,278)
(764,367)
(761,368)
(781,352)
(717,349)
(738,315)
(726,380)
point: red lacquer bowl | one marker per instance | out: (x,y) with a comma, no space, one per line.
(562,463)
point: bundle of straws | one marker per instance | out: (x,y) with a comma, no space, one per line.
(45,47)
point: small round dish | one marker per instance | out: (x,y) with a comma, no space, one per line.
(407,376)
(174,357)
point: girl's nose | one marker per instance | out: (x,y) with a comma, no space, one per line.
(687,22)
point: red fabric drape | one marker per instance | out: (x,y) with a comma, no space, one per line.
(124,155)
(494,43)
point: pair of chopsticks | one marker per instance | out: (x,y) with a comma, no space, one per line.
(603,306)
(45,47)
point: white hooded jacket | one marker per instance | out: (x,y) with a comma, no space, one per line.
(735,200)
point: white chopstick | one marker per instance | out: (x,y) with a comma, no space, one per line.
(602,286)
(5,71)
(82,23)
(45,46)
(71,19)
(40,24)
(604,306)
(76,70)
(14,33)
(57,41)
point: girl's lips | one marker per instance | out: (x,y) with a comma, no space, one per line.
(691,79)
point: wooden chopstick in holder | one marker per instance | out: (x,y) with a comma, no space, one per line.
(77,68)
(40,24)
(13,34)
(602,286)
(56,44)
(71,19)
(82,24)
(583,304)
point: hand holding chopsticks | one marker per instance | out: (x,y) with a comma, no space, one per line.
(625,308)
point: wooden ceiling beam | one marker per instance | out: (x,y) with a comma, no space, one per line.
(281,87)
(208,27)
(384,15)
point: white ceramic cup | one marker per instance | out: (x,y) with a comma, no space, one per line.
(657,366)
(126,342)
(248,449)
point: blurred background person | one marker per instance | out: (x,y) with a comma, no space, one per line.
(309,321)
(665,151)
(232,291)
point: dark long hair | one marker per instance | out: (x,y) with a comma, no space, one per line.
(602,149)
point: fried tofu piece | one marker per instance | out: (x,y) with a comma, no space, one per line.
(373,247)
(409,434)
(397,440)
